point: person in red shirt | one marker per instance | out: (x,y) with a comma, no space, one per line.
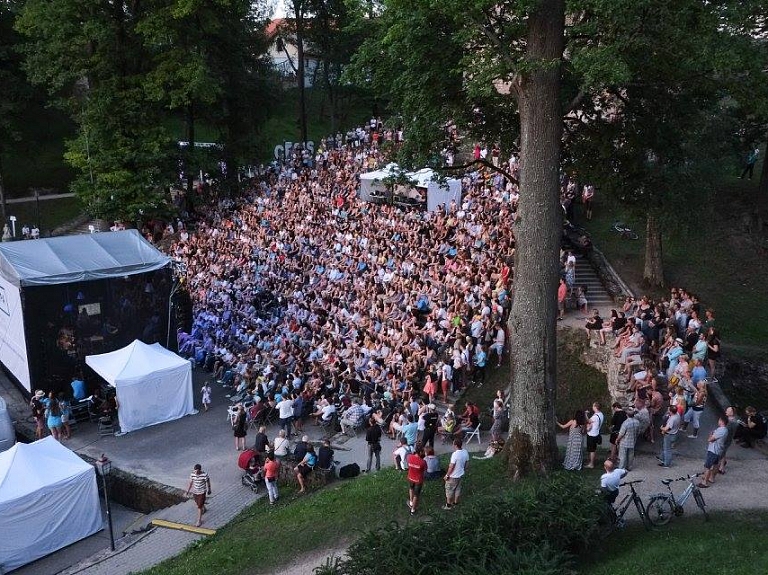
(417,467)
(271,470)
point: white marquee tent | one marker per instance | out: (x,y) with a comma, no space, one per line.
(153,384)
(48,500)
(438,193)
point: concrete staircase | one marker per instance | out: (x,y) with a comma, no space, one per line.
(597,296)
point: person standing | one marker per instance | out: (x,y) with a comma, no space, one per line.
(199,486)
(285,408)
(373,439)
(239,428)
(38,412)
(206,395)
(271,471)
(669,431)
(627,439)
(732,426)
(619,416)
(749,167)
(715,450)
(453,477)
(53,416)
(594,423)
(574,456)
(430,426)
(562,294)
(417,467)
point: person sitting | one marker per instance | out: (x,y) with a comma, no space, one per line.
(594,323)
(400,454)
(352,417)
(78,388)
(281,445)
(305,467)
(752,429)
(325,455)
(433,464)
(470,419)
(301,448)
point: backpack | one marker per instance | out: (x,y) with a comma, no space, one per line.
(349,471)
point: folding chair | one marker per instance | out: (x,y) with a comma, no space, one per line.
(468,435)
(106,426)
(232,414)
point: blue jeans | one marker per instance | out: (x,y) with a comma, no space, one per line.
(667,445)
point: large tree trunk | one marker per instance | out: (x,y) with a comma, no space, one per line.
(300,69)
(538,229)
(653,271)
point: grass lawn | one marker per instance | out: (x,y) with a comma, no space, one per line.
(263,537)
(729,544)
(712,256)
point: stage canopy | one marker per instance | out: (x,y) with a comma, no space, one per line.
(437,193)
(48,500)
(69,259)
(153,385)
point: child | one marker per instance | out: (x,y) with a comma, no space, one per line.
(581,299)
(206,391)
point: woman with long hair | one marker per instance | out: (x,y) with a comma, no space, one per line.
(53,416)
(574,452)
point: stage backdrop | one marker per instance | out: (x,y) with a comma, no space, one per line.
(67,297)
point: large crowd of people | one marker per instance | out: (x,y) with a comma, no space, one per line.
(301,288)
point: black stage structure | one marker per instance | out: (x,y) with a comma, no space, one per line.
(67,297)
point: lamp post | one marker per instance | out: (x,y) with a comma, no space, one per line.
(13,225)
(104,468)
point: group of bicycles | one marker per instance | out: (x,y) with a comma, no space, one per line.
(660,508)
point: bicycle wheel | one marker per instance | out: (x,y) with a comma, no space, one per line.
(660,510)
(699,498)
(630,235)
(641,512)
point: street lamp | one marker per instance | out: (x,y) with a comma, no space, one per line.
(13,225)
(104,468)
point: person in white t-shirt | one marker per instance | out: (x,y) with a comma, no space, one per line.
(594,424)
(611,480)
(456,470)
(285,407)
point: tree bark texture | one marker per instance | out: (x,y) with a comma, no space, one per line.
(532,447)
(653,271)
(300,69)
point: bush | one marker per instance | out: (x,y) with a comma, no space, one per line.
(536,527)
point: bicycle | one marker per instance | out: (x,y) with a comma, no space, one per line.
(663,506)
(624,231)
(616,513)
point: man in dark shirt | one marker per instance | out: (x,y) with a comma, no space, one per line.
(373,438)
(325,455)
(301,448)
(261,441)
(430,426)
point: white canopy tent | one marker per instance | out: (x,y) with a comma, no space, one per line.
(48,500)
(153,385)
(438,194)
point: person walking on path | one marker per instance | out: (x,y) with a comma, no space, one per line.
(670,431)
(749,167)
(206,393)
(627,439)
(455,473)
(199,486)
(417,467)
(594,439)
(271,471)
(715,451)
(574,451)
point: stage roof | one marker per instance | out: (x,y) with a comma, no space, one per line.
(68,259)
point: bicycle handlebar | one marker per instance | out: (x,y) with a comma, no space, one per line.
(685,478)
(630,482)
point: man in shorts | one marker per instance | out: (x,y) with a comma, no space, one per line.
(417,467)
(715,450)
(199,485)
(455,473)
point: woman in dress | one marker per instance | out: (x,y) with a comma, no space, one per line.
(576,427)
(430,386)
(498,419)
(239,428)
(53,416)
(206,392)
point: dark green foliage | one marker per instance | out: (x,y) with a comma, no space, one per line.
(538,528)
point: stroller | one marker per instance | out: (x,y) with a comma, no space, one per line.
(251,464)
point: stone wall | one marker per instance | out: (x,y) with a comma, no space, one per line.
(601,358)
(611,280)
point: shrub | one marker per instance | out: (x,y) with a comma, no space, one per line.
(536,527)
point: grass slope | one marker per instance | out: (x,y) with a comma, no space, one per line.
(712,255)
(732,544)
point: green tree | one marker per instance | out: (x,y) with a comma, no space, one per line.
(91,61)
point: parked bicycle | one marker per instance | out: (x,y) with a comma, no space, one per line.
(624,231)
(663,506)
(615,519)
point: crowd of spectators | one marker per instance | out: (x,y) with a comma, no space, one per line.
(303,291)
